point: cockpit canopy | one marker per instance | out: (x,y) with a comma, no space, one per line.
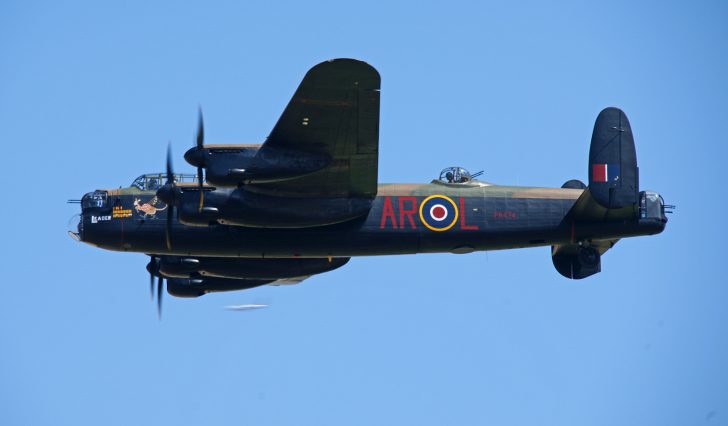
(154,181)
(456,174)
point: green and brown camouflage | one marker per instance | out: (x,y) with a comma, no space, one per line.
(307,200)
(483,217)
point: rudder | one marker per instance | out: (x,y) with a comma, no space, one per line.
(613,172)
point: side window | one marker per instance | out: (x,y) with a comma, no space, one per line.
(138,182)
(152,184)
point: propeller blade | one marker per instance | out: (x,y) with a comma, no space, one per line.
(168,228)
(200,143)
(170,171)
(199,184)
(159,297)
(200,129)
(152,265)
(168,193)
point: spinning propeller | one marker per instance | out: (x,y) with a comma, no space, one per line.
(153,268)
(170,194)
(199,146)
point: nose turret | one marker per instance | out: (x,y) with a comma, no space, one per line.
(94,209)
(93,205)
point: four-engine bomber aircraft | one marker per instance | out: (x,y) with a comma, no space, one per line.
(307,199)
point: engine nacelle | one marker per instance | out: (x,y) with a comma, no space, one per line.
(214,203)
(196,287)
(240,207)
(218,160)
(178,266)
(246,268)
(234,165)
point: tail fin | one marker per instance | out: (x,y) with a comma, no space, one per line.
(612,194)
(613,174)
(613,191)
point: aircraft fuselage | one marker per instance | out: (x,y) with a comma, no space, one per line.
(403,219)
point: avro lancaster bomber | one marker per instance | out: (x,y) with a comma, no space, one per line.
(307,200)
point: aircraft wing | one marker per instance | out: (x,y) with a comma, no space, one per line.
(189,276)
(333,121)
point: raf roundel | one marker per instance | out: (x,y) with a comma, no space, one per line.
(438,213)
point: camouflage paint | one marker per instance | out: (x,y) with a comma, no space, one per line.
(490,217)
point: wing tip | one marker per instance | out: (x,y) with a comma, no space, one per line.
(363,73)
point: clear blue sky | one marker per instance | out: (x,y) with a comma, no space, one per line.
(90,94)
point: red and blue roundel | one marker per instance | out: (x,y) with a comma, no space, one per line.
(438,212)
